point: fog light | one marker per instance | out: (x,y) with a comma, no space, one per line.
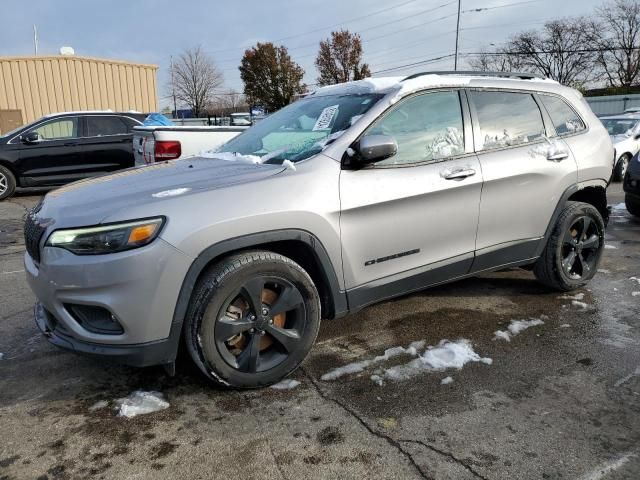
(95,319)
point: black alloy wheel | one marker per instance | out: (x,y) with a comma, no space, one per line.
(580,248)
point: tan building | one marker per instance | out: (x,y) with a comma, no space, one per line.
(31,87)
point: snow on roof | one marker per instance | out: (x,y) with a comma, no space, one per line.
(404,87)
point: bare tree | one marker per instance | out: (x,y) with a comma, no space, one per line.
(339,59)
(270,76)
(233,100)
(194,78)
(616,39)
(560,50)
(498,61)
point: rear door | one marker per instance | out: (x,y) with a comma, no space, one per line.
(525,174)
(404,217)
(57,157)
(107,143)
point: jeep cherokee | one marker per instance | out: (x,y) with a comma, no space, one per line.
(357,193)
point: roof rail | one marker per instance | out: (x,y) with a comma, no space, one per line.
(521,76)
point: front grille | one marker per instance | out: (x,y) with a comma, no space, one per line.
(32,235)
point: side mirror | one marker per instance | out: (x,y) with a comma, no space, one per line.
(31,137)
(636,136)
(372,149)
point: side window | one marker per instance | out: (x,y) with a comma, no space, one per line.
(130,124)
(60,129)
(427,127)
(506,119)
(564,119)
(107,125)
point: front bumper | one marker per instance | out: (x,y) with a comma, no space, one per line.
(137,287)
(143,355)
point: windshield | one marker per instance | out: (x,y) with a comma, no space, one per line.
(619,126)
(301,129)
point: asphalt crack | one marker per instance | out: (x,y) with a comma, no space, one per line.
(391,441)
(449,455)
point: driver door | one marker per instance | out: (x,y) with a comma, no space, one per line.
(411,220)
(56,157)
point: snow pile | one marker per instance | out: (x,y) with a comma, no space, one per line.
(286,384)
(360,366)
(289,165)
(368,85)
(170,193)
(610,247)
(618,207)
(140,403)
(635,279)
(633,294)
(444,356)
(446,381)
(516,327)
(232,157)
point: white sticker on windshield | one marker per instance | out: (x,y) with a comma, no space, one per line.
(326,118)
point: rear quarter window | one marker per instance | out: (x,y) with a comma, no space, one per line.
(565,120)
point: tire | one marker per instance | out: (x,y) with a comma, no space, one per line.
(571,257)
(7,183)
(621,167)
(231,334)
(633,205)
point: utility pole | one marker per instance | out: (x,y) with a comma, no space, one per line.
(173,89)
(455,64)
(35,40)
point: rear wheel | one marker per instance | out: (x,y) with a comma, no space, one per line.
(7,183)
(254,318)
(574,249)
(633,205)
(621,168)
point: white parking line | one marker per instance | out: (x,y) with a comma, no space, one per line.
(14,271)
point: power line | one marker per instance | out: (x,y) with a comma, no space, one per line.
(423,62)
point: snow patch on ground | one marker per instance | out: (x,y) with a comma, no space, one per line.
(1,356)
(99,405)
(286,384)
(582,305)
(610,247)
(446,381)
(618,206)
(141,403)
(577,296)
(633,294)
(516,327)
(444,356)
(357,367)
(565,325)
(603,270)
(635,279)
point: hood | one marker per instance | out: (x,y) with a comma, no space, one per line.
(89,202)
(620,138)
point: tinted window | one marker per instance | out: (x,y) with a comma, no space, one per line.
(564,119)
(101,126)
(58,129)
(427,127)
(131,123)
(507,119)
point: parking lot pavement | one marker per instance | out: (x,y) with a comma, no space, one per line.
(559,400)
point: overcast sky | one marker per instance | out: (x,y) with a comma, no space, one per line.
(149,31)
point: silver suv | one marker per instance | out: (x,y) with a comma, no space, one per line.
(355,194)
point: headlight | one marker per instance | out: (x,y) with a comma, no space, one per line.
(116,237)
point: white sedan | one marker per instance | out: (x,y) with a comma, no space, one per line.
(624,130)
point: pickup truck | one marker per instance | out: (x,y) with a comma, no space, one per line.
(159,143)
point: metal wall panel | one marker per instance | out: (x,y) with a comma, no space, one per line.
(613,104)
(40,85)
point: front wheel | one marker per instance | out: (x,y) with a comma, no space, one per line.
(7,183)
(253,319)
(621,168)
(572,254)
(633,205)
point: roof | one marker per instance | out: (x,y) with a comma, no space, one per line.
(76,58)
(412,83)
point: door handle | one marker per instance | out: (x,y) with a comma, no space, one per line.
(557,156)
(458,174)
